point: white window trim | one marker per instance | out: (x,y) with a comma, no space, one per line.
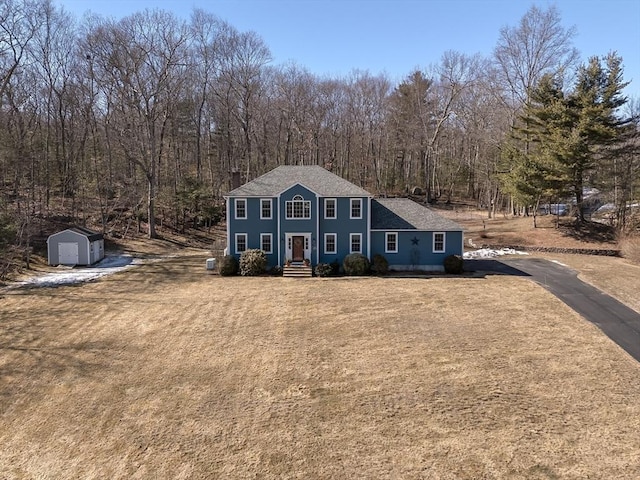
(386,242)
(335,243)
(246,242)
(270,209)
(351,237)
(236,203)
(444,242)
(270,237)
(352,201)
(335,208)
(306,206)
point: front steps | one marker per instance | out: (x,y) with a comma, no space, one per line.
(296,271)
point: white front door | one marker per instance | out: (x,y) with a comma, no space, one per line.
(68,253)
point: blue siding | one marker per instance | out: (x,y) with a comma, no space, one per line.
(253,226)
(343,226)
(415,248)
(416,255)
(298,224)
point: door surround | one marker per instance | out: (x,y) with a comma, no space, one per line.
(305,237)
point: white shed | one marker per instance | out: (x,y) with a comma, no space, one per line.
(75,246)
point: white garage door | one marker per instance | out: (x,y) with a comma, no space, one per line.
(68,253)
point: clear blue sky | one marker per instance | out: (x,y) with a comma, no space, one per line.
(334,37)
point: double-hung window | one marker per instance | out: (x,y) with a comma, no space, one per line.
(266,242)
(330,208)
(330,243)
(356,208)
(391,242)
(241,242)
(298,208)
(355,239)
(265,208)
(241,208)
(438,242)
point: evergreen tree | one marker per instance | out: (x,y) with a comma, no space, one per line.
(597,127)
(534,172)
(566,138)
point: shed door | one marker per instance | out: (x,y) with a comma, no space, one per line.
(68,253)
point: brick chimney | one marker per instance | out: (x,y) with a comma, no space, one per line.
(235,179)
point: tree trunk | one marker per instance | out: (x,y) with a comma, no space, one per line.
(151,208)
(579,203)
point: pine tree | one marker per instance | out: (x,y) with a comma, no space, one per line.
(534,172)
(564,137)
(597,127)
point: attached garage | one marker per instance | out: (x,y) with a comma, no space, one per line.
(75,246)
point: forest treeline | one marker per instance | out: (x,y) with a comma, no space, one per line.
(144,120)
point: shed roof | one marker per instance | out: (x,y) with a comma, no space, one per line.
(405,214)
(314,177)
(90,234)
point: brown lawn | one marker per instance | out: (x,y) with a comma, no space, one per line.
(508,230)
(618,277)
(164,371)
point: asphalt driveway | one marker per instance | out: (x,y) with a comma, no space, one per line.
(616,320)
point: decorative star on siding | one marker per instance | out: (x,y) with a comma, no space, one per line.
(415,241)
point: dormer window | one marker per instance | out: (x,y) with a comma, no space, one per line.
(298,208)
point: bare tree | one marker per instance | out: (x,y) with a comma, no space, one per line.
(408,118)
(539,45)
(455,73)
(143,62)
(209,35)
(484,122)
(19,22)
(297,107)
(366,97)
(240,86)
(622,168)
(55,63)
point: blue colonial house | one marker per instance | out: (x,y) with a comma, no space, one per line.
(306,212)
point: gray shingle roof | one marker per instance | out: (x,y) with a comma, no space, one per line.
(316,178)
(405,214)
(90,234)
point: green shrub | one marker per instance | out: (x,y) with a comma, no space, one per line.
(335,267)
(253,262)
(356,264)
(275,271)
(323,270)
(228,266)
(379,264)
(454,264)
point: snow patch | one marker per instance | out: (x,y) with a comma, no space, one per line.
(69,276)
(491,252)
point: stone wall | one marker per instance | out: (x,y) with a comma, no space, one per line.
(577,251)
